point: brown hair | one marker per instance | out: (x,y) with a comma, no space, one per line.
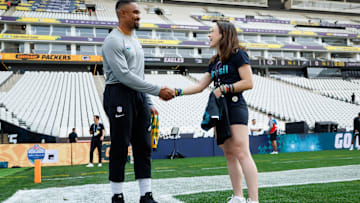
(229,43)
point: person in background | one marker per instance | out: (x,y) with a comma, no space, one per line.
(353,98)
(254,129)
(273,133)
(73,136)
(356,132)
(97,132)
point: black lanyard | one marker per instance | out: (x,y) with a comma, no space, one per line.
(95,129)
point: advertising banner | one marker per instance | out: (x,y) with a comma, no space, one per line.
(78,153)
(50,57)
(29,37)
(303,142)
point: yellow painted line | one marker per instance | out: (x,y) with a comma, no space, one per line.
(60,175)
(90,173)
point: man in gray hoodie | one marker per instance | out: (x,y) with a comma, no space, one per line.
(126,102)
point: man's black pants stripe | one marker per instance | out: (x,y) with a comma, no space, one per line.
(129,117)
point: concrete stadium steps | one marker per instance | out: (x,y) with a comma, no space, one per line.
(334,88)
(100,86)
(6,86)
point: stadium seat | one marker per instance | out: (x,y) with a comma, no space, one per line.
(53,103)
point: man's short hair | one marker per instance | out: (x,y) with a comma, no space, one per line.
(269,114)
(120,3)
(73,129)
(253,119)
(96,116)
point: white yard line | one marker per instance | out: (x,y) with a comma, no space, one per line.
(165,189)
(214,168)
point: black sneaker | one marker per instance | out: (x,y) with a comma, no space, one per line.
(148,198)
(117,198)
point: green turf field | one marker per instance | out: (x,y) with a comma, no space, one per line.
(327,192)
(12,180)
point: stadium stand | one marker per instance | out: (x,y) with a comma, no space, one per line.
(324,5)
(262,32)
(52,103)
(142,34)
(331,87)
(255,3)
(175,14)
(355,81)
(5,75)
(295,104)
(276,41)
(69,16)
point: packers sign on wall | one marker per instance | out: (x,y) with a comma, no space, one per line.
(49,57)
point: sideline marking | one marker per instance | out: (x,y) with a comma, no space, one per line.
(165,189)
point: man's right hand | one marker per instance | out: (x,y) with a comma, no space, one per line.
(166,93)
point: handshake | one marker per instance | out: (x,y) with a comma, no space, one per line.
(167,93)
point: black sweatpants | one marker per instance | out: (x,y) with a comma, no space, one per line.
(129,117)
(95,143)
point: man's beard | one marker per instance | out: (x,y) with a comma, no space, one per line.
(136,26)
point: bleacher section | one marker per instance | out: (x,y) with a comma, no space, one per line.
(183,112)
(295,104)
(58,6)
(53,103)
(323,5)
(267,35)
(5,75)
(335,88)
(255,3)
(58,101)
(36,14)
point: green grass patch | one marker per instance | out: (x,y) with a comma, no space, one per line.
(324,192)
(9,171)
(12,180)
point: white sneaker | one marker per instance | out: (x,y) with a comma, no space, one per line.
(236,199)
(249,201)
(273,152)
(99,165)
(90,165)
(351,147)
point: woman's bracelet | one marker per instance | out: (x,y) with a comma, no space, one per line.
(178,92)
(226,88)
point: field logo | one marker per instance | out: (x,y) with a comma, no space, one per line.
(343,140)
(36,152)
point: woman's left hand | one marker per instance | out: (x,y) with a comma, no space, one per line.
(217,92)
